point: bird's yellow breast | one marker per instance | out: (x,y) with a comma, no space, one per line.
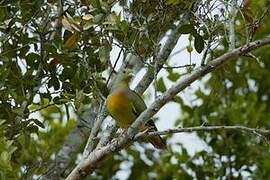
(116,99)
(120,108)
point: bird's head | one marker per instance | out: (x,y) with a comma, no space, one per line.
(127,75)
(124,79)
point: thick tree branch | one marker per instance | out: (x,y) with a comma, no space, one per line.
(231,24)
(163,54)
(71,145)
(94,159)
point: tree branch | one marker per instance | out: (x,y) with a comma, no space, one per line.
(71,145)
(90,143)
(231,24)
(98,155)
(163,54)
(262,133)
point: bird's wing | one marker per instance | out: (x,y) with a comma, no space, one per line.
(138,105)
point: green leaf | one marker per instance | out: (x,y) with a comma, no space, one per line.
(60,100)
(102,87)
(53,82)
(104,54)
(123,25)
(178,99)
(98,18)
(88,25)
(32,128)
(2,121)
(5,160)
(173,76)
(32,57)
(187,29)
(161,85)
(199,43)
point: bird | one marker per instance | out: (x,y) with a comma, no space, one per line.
(125,105)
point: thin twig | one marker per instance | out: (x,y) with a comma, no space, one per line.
(41,108)
(254,131)
(155,80)
(266,10)
(113,69)
(177,52)
(181,66)
(257,23)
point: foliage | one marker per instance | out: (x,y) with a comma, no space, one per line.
(55,57)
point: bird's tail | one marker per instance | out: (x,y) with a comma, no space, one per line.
(155,140)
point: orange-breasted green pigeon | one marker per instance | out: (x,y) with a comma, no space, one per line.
(125,105)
